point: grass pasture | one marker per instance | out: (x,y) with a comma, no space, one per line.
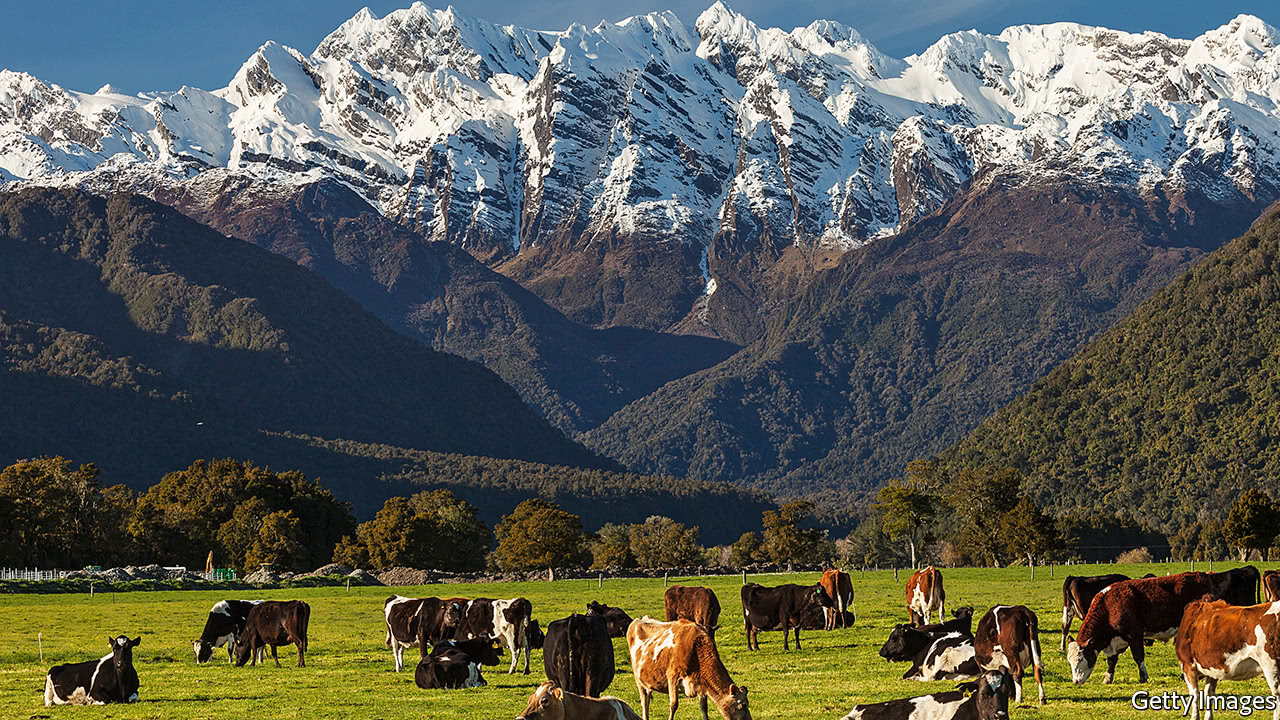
(349,670)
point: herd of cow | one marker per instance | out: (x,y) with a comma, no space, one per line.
(1221,634)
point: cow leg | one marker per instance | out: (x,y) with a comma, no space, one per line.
(1067,617)
(1272,674)
(1210,689)
(702,703)
(1016,670)
(1193,691)
(274,656)
(302,650)
(786,628)
(1111,669)
(1140,656)
(797,634)
(645,696)
(673,692)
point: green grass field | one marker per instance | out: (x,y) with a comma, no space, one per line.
(349,671)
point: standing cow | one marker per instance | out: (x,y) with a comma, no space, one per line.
(1078,594)
(772,608)
(110,679)
(836,597)
(616,619)
(1217,641)
(1008,637)
(272,624)
(415,621)
(925,595)
(695,604)
(678,656)
(503,620)
(223,627)
(578,654)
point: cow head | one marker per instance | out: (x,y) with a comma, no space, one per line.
(453,614)
(1081,660)
(963,613)
(597,607)
(903,643)
(203,650)
(992,695)
(122,651)
(735,705)
(546,703)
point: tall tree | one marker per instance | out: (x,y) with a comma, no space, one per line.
(1027,531)
(662,542)
(1252,523)
(611,548)
(431,529)
(538,534)
(55,515)
(907,509)
(747,549)
(980,498)
(786,540)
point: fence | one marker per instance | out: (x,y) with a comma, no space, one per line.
(32,574)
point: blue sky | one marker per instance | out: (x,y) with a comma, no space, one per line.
(140,45)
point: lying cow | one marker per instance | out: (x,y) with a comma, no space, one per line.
(453,664)
(836,597)
(223,627)
(681,656)
(1124,614)
(616,619)
(110,679)
(1217,641)
(906,642)
(925,596)
(578,654)
(989,700)
(1008,637)
(949,657)
(413,621)
(693,603)
(272,624)
(772,608)
(549,702)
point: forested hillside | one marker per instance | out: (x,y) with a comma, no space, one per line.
(1166,417)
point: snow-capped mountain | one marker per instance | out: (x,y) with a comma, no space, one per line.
(722,138)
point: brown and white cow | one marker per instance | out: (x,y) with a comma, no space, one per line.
(1125,614)
(1078,593)
(272,624)
(925,595)
(1008,637)
(1271,585)
(836,598)
(413,621)
(549,702)
(1217,641)
(695,604)
(681,656)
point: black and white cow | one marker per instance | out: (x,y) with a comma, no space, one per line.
(410,621)
(950,657)
(503,620)
(455,664)
(989,700)
(226,622)
(110,679)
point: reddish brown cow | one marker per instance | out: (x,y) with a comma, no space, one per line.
(837,597)
(680,656)
(1008,637)
(695,604)
(1124,614)
(1217,641)
(1271,585)
(925,595)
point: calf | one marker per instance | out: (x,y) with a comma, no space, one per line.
(680,656)
(836,597)
(455,664)
(1008,637)
(549,702)
(1122,615)
(272,624)
(696,604)
(907,642)
(578,654)
(989,701)
(616,619)
(110,679)
(504,620)
(771,608)
(414,621)
(223,627)
(1271,585)
(925,595)
(1217,641)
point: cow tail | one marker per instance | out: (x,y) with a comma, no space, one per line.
(1035,642)
(573,666)
(304,619)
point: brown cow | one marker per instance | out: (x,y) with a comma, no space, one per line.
(695,604)
(1008,637)
(1217,641)
(549,702)
(1271,585)
(681,655)
(837,597)
(1126,613)
(925,595)
(271,624)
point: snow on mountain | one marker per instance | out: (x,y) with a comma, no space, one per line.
(500,139)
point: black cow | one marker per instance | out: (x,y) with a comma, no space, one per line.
(906,641)
(226,622)
(410,621)
(1238,586)
(110,679)
(578,654)
(534,635)
(771,608)
(616,619)
(989,701)
(455,664)
(272,624)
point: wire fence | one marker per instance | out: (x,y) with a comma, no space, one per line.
(36,574)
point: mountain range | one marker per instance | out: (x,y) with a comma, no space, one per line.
(777,258)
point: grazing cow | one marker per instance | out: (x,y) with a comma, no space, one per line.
(272,624)
(771,608)
(949,657)
(226,622)
(1217,641)
(836,597)
(455,664)
(503,620)
(1122,615)
(549,702)
(907,641)
(110,679)
(1238,586)
(925,595)
(1077,593)
(616,619)
(1271,585)
(534,635)
(680,656)
(413,621)
(578,654)
(989,700)
(696,604)
(1008,637)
